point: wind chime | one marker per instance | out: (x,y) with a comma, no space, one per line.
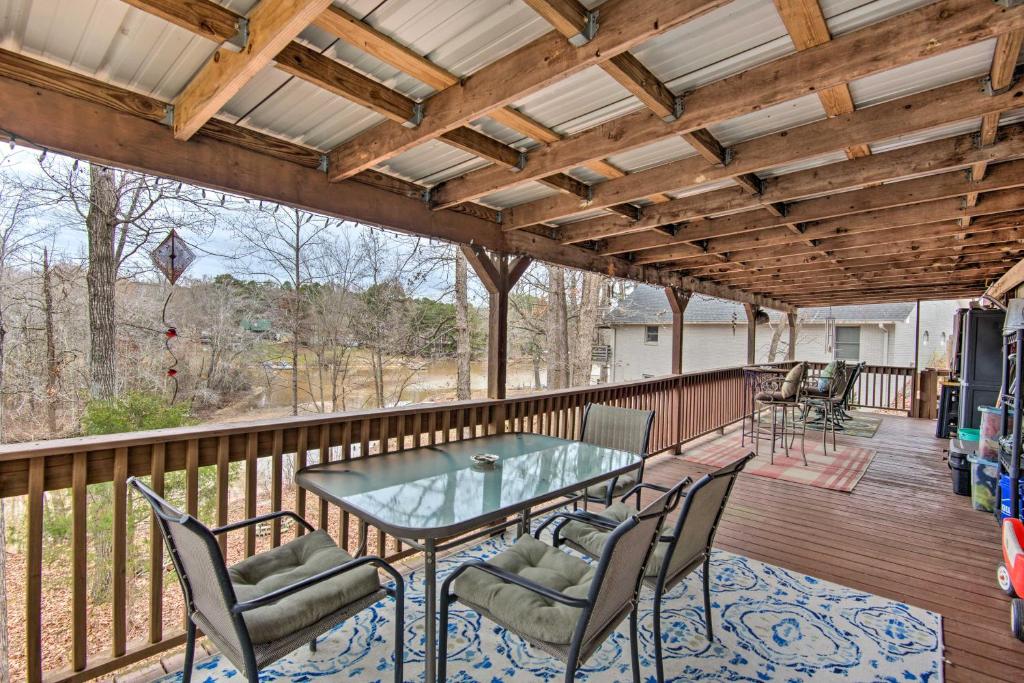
(830,332)
(172,257)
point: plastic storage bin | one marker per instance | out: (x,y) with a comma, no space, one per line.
(967,434)
(1004,496)
(991,423)
(984,483)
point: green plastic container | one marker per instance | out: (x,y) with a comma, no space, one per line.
(984,483)
(969,434)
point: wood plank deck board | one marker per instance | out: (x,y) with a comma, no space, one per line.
(901,534)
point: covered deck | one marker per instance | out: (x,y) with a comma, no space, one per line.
(779,154)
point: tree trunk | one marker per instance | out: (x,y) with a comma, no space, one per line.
(5,671)
(586,325)
(463,352)
(101,280)
(52,368)
(296,313)
(558,332)
(773,348)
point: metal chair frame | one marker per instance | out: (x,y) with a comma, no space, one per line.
(248,667)
(663,582)
(609,496)
(772,384)
(576,655)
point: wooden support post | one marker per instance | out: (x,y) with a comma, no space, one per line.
(791,350)
(499,274)
(752,312)
(677,300)
(915,404)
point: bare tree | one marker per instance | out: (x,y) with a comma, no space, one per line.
(284,245)
(464,351)
(558,332)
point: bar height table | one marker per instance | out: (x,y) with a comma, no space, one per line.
(431,497)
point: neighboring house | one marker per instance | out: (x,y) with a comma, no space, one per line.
(638,332)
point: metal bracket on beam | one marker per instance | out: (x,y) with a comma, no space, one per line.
(499,217)
(520,164)
(1010,4)
(427,196)
(168,119)
(986,82)
(728,156)
(589,30)
(324,162)
(238,41)
(677,109)
(417,116)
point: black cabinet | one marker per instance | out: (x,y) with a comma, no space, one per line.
(980,371)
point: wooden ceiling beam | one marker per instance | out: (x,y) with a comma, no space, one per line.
(864,272)
(80,127)
(521,123)
(899,164)
(272,25)
(624,24)
(352,31)
(632,75)
(920,111)
(921,32)
(475,142)
(806,25)
(568,17)
(208,19)
(844,282)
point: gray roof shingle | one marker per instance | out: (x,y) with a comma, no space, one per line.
(649,306)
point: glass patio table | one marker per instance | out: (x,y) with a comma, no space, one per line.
(424,496)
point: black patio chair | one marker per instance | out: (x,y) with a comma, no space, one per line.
(679,551)
(826,403)
(624,429)
(844,403)
(265,606)
(567,607)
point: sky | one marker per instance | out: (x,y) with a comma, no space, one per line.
(215,251)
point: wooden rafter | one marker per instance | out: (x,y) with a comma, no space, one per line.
(925,31)
(73,114)
(948,104)
(272,25)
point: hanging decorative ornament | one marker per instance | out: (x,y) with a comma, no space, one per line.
(830,332)
(172,258)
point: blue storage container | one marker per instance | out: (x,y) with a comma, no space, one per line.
(1004,496)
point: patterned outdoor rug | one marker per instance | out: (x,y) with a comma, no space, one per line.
(860,424)
(838,469)
(770,625)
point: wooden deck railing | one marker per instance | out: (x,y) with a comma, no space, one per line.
(880,386)
(233,471)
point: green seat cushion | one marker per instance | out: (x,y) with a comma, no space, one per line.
(520,609)
(623,483)
(302,558)
(592,540)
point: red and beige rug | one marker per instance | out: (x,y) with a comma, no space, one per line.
(839,469)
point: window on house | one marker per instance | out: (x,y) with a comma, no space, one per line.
(651,334)
(848,343)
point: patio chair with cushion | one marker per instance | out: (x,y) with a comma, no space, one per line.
(623,429)
(267,605)
(686,547)
(558,603)
(785,399)
(826,401)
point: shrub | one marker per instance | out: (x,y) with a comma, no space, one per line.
(132,412)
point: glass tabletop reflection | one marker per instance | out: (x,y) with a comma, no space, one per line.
(438,491)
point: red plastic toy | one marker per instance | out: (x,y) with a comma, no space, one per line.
(1011,572)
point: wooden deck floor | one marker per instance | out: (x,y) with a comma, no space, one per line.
(902,534)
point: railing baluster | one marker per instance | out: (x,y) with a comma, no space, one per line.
(250,492)
(276,483)
(34,572)
(346,454)
(156,550)
(222,490)
(119,606)
(79,560)
(192,477)
(301,445)
(325,456)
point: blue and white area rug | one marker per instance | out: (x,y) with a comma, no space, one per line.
(770,625)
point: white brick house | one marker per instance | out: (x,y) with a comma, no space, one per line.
(639,332)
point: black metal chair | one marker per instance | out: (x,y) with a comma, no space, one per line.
(784,398)
(556,602)
(678,552)
(266,606)
(827,401)
(624,429)
(844,403)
